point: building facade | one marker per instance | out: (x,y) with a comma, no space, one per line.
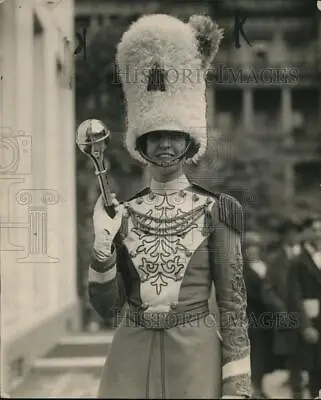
(268,85)
(37,176)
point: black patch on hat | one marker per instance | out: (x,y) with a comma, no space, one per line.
(156,79)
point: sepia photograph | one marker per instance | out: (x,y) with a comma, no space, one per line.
(160,199)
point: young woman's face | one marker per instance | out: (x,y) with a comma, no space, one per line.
(164,146)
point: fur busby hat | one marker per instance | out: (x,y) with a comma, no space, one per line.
(162,63)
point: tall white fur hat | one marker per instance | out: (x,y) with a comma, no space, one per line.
(162,63)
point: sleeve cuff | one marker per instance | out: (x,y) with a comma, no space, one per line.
(102,266)
(236,376)
(237,367)
(103,276)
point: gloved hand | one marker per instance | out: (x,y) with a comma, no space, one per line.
(105,227)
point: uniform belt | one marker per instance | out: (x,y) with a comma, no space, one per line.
(166,319)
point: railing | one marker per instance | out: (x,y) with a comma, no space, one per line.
(265,5)
(128,7)
(311,60)
(270,6)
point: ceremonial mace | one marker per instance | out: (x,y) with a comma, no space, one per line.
(92,139)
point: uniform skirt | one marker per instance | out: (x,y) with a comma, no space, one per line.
(182,362)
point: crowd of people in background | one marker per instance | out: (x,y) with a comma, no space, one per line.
(284,300)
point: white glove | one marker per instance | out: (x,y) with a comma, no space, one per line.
(105,227)
(259,267)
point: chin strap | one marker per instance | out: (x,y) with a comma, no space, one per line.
(165,163)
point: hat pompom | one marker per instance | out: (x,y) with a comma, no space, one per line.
(208,36)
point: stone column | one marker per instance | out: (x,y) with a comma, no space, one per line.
(248,114)
(289,179)
(319,109)
(286,110)
(210,99)
(279,49)
(318,43)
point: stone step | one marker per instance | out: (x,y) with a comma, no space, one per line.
(88,338)
(78,347)
(66,363)
(58,384)
(72,368)
(82,351)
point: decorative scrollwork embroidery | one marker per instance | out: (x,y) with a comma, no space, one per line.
(160,270)
(161,248)
(237,281)
(163,225)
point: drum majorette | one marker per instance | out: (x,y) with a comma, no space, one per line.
(166,246)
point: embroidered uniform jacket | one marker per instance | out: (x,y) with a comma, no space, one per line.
(172,247)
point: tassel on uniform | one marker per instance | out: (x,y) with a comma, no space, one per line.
(231,213)
(208,225)
(124,223)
